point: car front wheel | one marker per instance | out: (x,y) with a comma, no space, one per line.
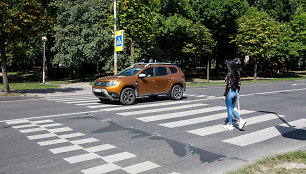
(176,92)
(127,96)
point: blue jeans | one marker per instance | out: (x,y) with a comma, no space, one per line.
(230,102)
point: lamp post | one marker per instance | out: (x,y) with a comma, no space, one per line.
(44,39)
(115,28)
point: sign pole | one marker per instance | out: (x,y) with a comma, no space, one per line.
(115,54)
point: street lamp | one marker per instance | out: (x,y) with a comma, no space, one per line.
(44,39)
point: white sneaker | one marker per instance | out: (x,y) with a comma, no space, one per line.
(241,123)
(228,126)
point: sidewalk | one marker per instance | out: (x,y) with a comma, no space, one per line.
(82,88)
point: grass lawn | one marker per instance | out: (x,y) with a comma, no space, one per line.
(29,85)
(289,163)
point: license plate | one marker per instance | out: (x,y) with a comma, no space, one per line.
(97,90)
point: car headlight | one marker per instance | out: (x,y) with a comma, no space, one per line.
(111,83)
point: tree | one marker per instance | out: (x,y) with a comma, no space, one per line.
(81,37)
(18,19)
(257,35)
(220,16)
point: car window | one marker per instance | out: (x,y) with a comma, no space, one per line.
(148,72)
(129,71)
(173,70)
(161,71)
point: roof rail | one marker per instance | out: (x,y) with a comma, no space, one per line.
(153,63)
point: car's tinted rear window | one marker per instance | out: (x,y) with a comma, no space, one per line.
(173,70)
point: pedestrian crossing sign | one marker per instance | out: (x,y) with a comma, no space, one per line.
(119,36)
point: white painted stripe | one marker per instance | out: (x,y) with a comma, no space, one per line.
(63,129)
(50,142)
(66,149)
(24,126)
(200,119)
(51,125)
(89,104)
(84,141)
(174,173)
(211,97)
(41,136)
(42,121)
(18,121)
(81,158)
(147,105)
(102,105)
(32,130)
(85,101)
(219,128)
(267,133)
(201,96)
(71,98)
(71,135)
(180,114)
(141,167)
(100,148)
(118,157)
(101,169)
(160,109)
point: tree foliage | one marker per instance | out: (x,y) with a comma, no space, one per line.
(19,19)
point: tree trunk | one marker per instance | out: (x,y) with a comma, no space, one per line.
(132,52)
(208,68)
(255,69)
(4,70)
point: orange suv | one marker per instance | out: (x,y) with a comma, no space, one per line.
(141,79)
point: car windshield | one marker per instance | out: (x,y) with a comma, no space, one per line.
(129,71)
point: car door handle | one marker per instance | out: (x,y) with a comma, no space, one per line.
(170,79)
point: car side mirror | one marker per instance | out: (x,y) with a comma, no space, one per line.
(142,75)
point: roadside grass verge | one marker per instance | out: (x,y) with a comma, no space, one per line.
(29,85)
(289,163)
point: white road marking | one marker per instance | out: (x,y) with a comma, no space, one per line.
(51,125)
(81,158)
(84,141)
(160,109)
(32,130)
(219,128)
(24,126)
(141,167)
(63,129)
(72,135)
(41,136)
(200,119)
(180,114)
(42,121)
(267,133)
(100,148)
(66,149)
(51,142)
(101,169)
(118,157)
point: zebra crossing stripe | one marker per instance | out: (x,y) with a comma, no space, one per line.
(84,141)
(100,148)
(160,109)
(17,121)
(82,101)
(118,157)
(41,136)
(42,121)
(102,106)
(51,125)
(199,95)
(32,130)
(81,158)
(199,119)
(89,104)
(141,167)
(267,133)
(63,129)
(147,105)
(71,135)
(24,126)
(65,149)
(180,114)
(101,169)
(219,128)
(51,142)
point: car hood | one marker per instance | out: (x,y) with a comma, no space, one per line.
(111,78)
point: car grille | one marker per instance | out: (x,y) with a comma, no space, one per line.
(100,83)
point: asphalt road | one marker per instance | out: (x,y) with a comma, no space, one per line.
(78,134)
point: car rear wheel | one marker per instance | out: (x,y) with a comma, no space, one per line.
(176,92)
(127,96)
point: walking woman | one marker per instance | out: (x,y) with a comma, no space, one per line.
(231,94)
